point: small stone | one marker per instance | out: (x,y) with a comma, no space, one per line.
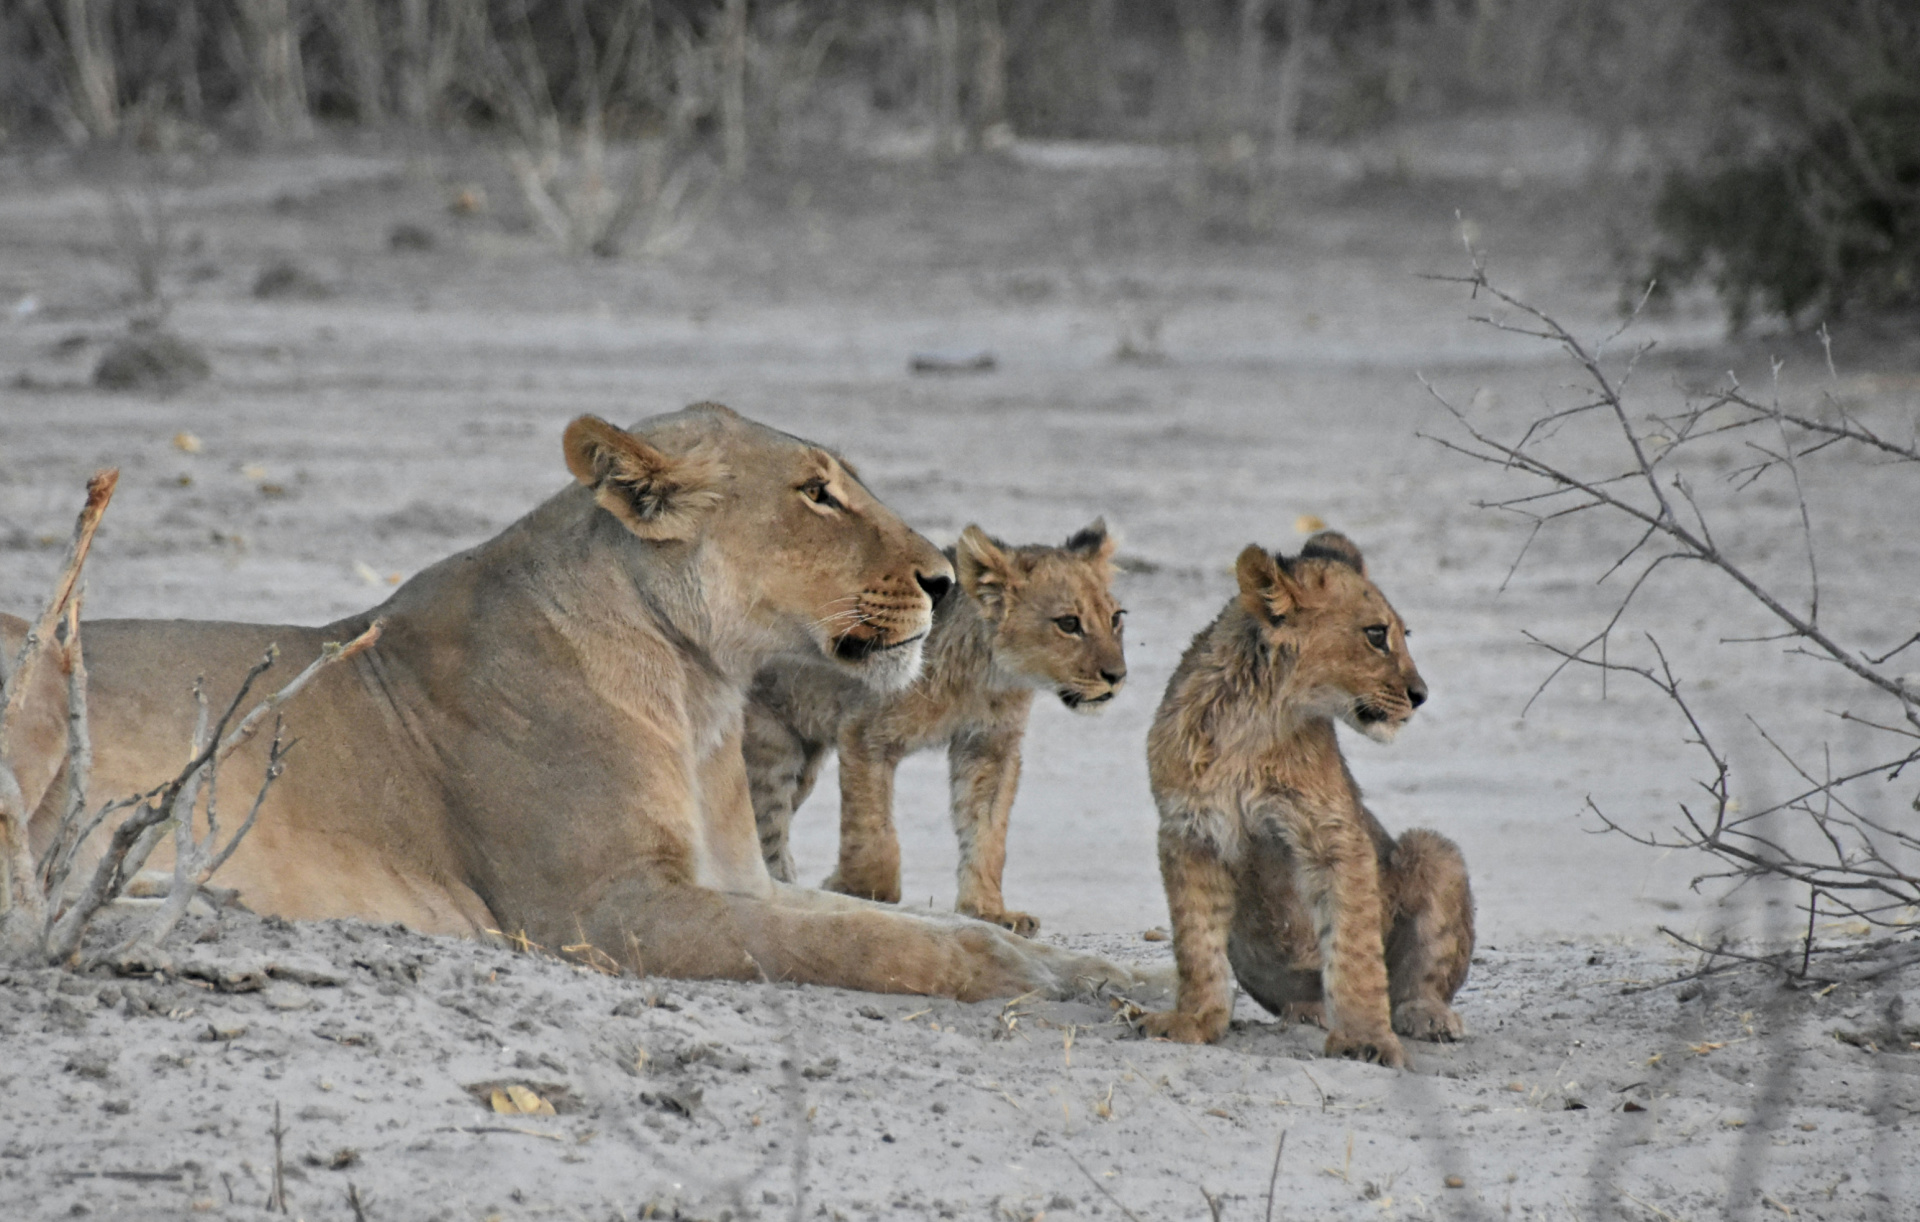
(1454,1181)
(280,995)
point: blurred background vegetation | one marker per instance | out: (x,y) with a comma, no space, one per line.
(1780,139)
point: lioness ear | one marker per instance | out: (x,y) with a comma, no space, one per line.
(1266,589)
(656,495)
(1332,545)
(985,568)
(1092,540)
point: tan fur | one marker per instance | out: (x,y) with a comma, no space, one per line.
(547,737)
(1273,866)
(1002,634)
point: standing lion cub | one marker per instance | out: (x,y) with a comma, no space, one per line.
(1022,618)
(1270,861)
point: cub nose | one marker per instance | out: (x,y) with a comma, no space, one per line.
(1114,677)
(1416,694)
(935,584)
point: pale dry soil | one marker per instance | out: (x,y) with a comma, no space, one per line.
(411,405)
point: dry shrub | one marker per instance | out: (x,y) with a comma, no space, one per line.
(1843,831)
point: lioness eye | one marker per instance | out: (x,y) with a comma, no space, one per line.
(1117,617)
(1377,637)
(815,490)
(1069,624)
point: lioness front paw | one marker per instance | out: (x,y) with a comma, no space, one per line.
(1426,1019)
(1022,923)
(1181,1027)
(1379,1047)
(886,891)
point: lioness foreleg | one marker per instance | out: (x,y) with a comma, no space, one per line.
(690,932)
(869,848)
(1430,945)
(1200,901)
(984,772)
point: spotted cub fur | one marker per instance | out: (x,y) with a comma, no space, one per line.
(1021,619)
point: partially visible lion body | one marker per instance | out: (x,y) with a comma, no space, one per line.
(1021,619)
(1273,865)
(546,739)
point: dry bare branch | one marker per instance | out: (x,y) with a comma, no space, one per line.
(1859,862)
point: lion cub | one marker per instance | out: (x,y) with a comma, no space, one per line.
(1270,861)
(1022,618)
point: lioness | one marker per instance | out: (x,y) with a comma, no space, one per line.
(1022,618)
(1270,861)
(546,738)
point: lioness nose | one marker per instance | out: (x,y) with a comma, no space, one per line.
(935,584)
(1114,676)
(1416,693)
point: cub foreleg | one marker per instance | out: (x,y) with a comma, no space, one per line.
(1200,900)
(782,767)
(1338,875)
(869,864)
(984,771)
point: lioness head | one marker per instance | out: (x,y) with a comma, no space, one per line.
(1056,623)
(785,538)
(1349,647)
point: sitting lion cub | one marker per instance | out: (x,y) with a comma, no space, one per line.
(1270,861)
(1023,618)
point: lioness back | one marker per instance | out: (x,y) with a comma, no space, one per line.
(1021,619)
(545,737)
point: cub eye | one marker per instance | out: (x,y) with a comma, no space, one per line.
(1377,637)
(1069,624)
(815,490)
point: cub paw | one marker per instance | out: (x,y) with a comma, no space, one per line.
(1379,1048)
(1426,1019)
(1314,1012)
(884,890)
(1181,1027)
(1022,923)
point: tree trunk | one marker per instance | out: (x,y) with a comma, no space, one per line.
(94,81)
(356,25)
(948,138)
(989,75)
(1293,71)
(1253,62)
(733,86)
(276,77)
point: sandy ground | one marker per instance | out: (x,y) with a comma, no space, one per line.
(412,405)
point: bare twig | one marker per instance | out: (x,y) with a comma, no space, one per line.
(1273,1176)
(1858,862)
(1103,1190)
(22,901)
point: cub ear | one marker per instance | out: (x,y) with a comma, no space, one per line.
(985,567)
(656,495)
(1266,588)
(1332,545)
(1092,540)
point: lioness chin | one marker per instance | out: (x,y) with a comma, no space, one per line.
(546,738)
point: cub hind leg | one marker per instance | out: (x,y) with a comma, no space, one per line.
(1430,935)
